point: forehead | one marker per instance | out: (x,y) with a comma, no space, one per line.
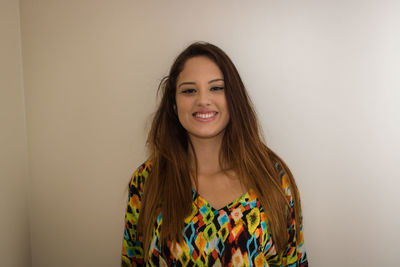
(198,68)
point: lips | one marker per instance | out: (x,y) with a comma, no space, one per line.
(205,116)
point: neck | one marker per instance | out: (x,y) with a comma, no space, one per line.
(207,152)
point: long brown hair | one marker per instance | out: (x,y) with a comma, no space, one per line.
(242,149)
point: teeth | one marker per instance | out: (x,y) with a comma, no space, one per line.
(204,115)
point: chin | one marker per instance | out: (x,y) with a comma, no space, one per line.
(207,135)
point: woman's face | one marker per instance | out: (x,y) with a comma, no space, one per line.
(200,99)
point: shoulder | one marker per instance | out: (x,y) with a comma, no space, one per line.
(285,181)
(281,172)
(139,178)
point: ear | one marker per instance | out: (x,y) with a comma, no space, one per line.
(176,113)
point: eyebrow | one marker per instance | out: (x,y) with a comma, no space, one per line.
(215,80)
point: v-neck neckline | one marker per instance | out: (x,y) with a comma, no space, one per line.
(227,206)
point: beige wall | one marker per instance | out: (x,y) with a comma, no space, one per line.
(14,182)
(323,75)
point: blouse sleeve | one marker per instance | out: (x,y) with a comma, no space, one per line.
(132,248)
(295,254)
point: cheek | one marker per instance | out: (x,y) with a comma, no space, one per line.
(226,109)
(224,105)
(183,109)
(183,105)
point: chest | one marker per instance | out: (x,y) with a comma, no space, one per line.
(227,236)
(220,191)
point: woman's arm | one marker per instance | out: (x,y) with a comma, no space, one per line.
(295,254)
(132,248)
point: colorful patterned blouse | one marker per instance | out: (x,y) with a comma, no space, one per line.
(235,235)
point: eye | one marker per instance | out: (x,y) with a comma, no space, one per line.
(188,91)
(217,88)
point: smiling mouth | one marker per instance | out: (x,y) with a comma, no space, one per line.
(205,115)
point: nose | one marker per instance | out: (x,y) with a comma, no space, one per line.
(203,98)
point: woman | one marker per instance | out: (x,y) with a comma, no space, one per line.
(212,193)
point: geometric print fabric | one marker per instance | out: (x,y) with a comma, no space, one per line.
(235,235)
